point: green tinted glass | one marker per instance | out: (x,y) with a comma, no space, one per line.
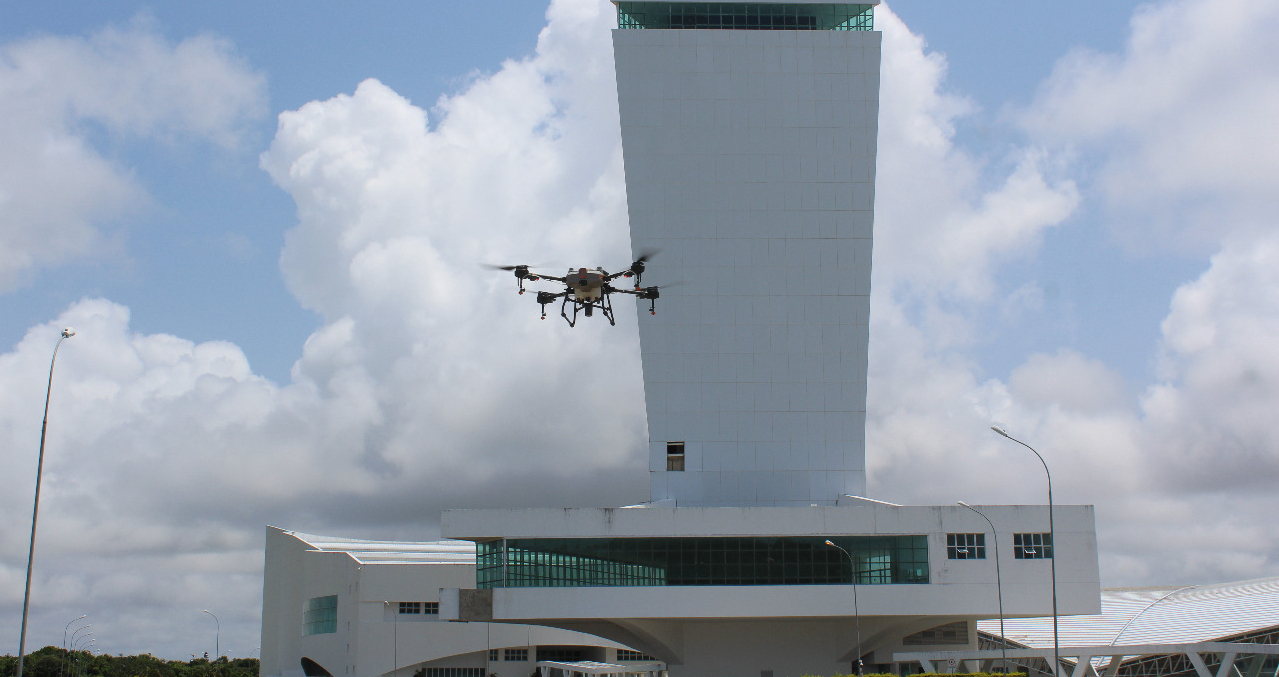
(746,16)
(789,560)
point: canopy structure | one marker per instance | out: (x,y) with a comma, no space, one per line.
(1106,661)
(1202,630)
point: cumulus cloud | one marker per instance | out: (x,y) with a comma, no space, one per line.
(1180,123)
(1210,415)
(56,189)
(944,221)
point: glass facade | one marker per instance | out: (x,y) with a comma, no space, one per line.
(758,560)
(320,617)
(746,16)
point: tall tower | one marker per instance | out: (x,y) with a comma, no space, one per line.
(748,132)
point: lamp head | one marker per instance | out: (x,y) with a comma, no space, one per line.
(68,332)
(964,504)
(999,430)
(830,544)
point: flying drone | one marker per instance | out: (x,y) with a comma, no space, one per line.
(588,289)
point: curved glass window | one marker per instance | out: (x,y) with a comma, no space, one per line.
(746,16)
(320,616)
(758,560)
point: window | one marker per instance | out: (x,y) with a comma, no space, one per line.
(1032,546)
(417,608)
(560,653)
(965,546)
(320,616)
(628,655)
(746,16)
(493,654)
(515,654)
(449,672)
(728,560)
(675,456)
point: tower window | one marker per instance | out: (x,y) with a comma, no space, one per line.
(675,456)
(749,16)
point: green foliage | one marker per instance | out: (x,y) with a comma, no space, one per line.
(52,661)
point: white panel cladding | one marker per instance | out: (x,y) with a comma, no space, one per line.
(750,162)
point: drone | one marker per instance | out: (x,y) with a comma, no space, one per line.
(588,289)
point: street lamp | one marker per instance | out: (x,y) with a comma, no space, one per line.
(35,511)
(217,639)
(1052,538)
(88,639)
(64,641)
(857,618)
(999,586)
(87,646)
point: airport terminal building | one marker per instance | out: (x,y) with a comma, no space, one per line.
(749,140)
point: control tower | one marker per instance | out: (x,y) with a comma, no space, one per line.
(748,135)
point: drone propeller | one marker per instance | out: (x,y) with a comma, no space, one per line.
(521,272)
(637,268)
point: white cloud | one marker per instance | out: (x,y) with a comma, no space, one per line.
(55,188)
(940,230)
(1211,415)
(1181,122)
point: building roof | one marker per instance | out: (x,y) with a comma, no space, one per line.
(1193,613)
(393,552)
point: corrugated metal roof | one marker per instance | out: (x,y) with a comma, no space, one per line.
(393,552)
(1171,615)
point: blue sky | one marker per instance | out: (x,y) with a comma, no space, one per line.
(264,222)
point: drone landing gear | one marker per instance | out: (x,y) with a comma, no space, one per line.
(605,306)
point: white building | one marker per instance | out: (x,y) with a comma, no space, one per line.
(749,134)
(337,606)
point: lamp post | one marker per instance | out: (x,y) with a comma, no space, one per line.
(35,511)
(87,646)
(1052,537)
(999,586)
(857,618)
(68,627)
(217,639)
(64,641)
(63,671)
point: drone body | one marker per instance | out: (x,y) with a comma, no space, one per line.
(587,289)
